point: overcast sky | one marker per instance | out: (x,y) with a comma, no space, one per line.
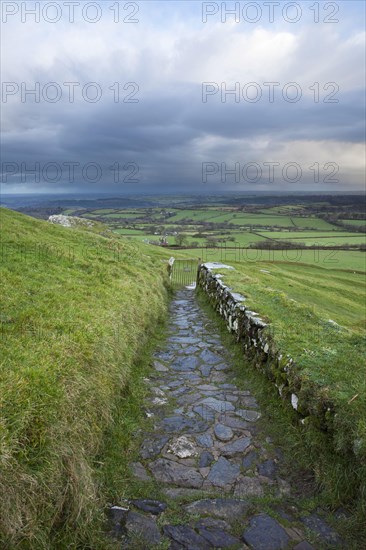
(150,113)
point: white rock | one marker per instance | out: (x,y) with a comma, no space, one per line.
(217,265)
(160,401)
(294,401)
(60,220)
(183,447)
(69,221)
(238,297)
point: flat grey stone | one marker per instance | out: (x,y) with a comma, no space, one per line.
(238,446)
(223,433)
(218,377)
(186,537)
(168,471)
(206,370)
(248,401)
(139,472)
(184,340)
(174,383)
(205,440)
(211,523)
(142,527)
(117,531)
(216,394)
(223,473)
(249,459)
(180,391)
(229,509)
(152,446)
(209,357)
(186,363)
(206,459)
(219,538)
(268,469)
(231,398)
(160,367)
(175,424)
(222,366)
(265,533)
(164,355)
(181,323)
(117,513)
(154,507)
(190,350)
(248,487)
(218,405)
(205,412)
(322,529)
(249,416)
(192,377)
(189,399)
(233,422)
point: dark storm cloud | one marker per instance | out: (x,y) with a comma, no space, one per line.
(165,129)
(170,132)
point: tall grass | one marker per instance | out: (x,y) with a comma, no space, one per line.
(77,311)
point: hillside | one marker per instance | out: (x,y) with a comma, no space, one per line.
(77,309)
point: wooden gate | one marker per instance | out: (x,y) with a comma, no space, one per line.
(183,273)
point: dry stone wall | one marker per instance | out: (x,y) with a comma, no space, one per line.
(254,335)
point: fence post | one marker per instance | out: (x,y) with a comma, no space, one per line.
(198,272)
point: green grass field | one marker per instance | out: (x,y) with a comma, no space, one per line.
(348,260)
(122,215)
(128,232)
(313,223)
(317,238)
(77,311)
(357,223)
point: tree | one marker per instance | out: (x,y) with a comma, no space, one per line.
(180,239)
(211,242)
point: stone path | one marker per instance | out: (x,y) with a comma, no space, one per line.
(208,455)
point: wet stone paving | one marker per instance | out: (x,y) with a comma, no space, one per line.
(207,452)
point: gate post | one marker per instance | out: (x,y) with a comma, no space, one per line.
(198,272)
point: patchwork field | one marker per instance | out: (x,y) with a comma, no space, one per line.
(212,226)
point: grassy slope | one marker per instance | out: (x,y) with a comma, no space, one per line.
(77,311)
(299,301)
